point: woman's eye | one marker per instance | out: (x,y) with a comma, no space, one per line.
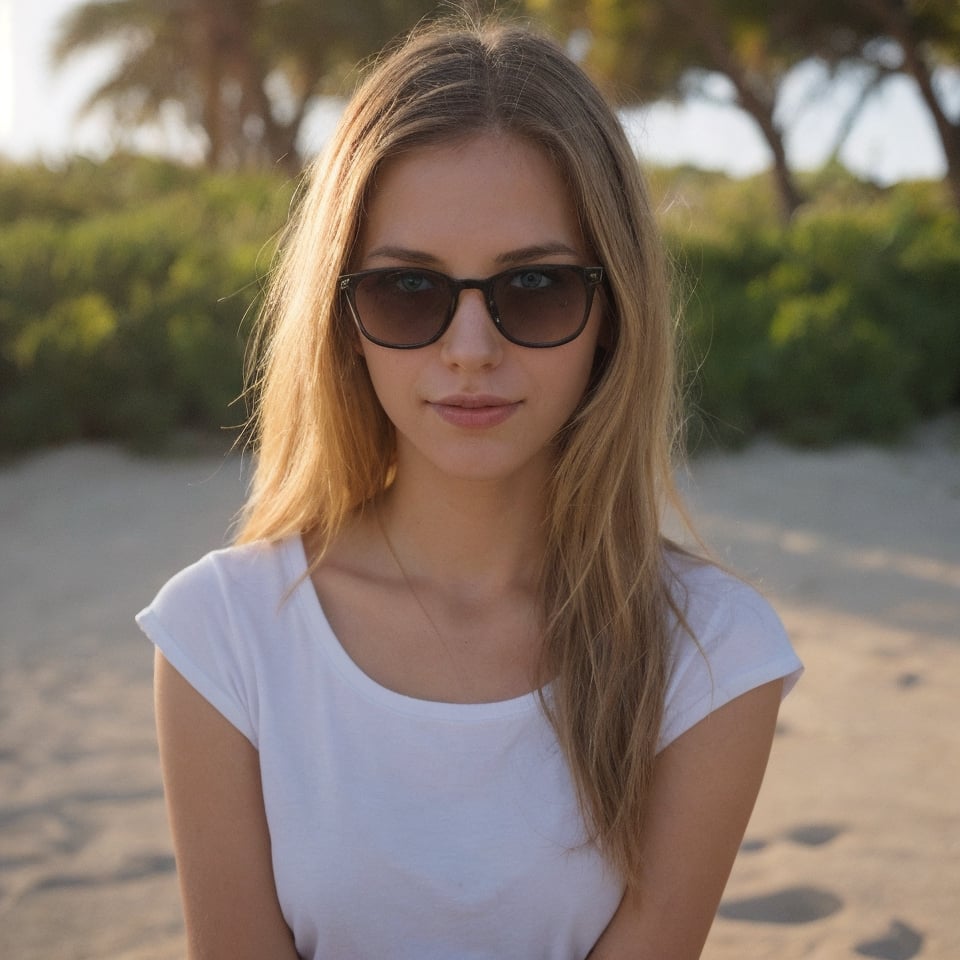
(531,280)
(412,282)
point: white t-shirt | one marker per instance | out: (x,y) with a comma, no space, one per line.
(405,828)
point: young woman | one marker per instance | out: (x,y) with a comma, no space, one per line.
(452,693)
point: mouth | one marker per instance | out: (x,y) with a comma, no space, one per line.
(475,411)
(473,401)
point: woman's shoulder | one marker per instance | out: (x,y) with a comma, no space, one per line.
(213,620)
(726,639)
(233,572)
(226,597)
(710,598)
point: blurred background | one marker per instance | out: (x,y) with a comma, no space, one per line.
(805,158)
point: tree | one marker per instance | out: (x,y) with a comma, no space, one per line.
(651,49)
(927,33)
(243,72)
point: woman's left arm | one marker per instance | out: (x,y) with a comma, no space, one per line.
(705,785)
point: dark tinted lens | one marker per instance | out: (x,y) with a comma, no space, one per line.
(541,305)
(404,307)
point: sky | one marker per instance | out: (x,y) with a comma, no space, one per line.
(895,138)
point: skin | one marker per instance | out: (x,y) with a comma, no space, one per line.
(470,210)
(466,510)
(433,592)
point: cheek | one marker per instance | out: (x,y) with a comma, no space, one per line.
(570,381)
(587,376)
(375,372)
(385,368)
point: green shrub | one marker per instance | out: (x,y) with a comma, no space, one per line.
(127,291)
(844,325)
(726,351)
(126,316)
(839,374)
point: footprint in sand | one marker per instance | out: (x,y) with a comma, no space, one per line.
(807,835)
(900,942)
(907,680)
(814,834)
(793,905)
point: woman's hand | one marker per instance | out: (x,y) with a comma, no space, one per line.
(705,786)
(211,776)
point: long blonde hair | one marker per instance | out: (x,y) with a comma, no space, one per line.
(325,446)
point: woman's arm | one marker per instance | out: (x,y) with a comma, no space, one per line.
(211,776)
(705,786)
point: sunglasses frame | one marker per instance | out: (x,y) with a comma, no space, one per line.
(592,278)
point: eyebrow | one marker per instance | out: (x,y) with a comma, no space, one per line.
(527,254)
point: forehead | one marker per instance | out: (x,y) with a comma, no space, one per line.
(470,199)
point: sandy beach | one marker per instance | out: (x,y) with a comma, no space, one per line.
(853,850)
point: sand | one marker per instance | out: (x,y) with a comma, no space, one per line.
(853,850)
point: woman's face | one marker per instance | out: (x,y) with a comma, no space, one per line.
(473,405)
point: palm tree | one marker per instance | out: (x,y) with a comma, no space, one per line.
(168,52)
(243,72)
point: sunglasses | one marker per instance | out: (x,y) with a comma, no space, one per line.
(541,305)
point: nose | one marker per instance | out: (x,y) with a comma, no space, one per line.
(472,341)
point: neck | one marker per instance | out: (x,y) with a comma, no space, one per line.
(473,538)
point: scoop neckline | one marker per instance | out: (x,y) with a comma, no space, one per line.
(305,595)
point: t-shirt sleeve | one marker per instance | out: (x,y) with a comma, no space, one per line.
(190,621)
(738,644)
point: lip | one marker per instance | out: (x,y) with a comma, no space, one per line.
(475,411)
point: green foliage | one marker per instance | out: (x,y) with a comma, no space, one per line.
(842,325)
(126,297)
(127,292)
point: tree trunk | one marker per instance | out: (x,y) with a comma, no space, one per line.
(702,20)
(788,193)
(949,132)
(897,22)
(207,51)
